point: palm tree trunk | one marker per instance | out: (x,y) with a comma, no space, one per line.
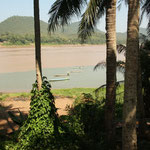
(37,44)
(111,72)
(140,102)
(129,136)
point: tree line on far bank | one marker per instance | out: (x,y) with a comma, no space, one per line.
(27,39)
(16,39)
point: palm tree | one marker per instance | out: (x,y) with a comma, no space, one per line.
(129,136)
(111,71)
(61,12)
(37,44)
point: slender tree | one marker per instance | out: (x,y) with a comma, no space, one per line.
(111,71)
(94,11)
(37,44)
(129,136)
(60,14)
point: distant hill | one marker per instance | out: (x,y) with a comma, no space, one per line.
(73,29)
(20,25)
(25,25)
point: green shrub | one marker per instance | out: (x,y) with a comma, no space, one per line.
(42,125)
(86,120)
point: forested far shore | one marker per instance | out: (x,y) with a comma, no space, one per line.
(56,39)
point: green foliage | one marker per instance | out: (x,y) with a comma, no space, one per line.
(42,124)
(7,144)
(94,11)
(3,96)
(86,119)
(12,39)
(17,39)
(61,12)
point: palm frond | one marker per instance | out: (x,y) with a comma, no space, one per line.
(62,10)
(97,90)
(94,11)
(101,64)
(143,38)
(146,9)
(148,28)
(120,66)
(146,6)
(121,48)
(119,3)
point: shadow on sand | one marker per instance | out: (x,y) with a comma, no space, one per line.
(6,124)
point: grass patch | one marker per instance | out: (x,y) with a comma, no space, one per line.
(73,92)
(4,96)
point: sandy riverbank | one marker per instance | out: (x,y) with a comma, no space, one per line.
(13,104)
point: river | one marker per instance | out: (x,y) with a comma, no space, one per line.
(17,73)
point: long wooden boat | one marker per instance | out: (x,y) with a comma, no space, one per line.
(58,79)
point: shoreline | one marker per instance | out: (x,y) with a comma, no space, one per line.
(55,91)
(49,45)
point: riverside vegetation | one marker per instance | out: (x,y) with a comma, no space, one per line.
(27,39)
(74,131)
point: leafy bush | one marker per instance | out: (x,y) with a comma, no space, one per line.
(86,120)
(42,124)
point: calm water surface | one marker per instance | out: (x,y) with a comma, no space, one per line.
(79,77)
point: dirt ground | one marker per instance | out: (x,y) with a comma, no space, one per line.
(23,104)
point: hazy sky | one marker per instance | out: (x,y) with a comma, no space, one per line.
(10,8)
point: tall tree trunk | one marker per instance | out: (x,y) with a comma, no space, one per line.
(37,44)
(129,136)
(111,72)
(140,102)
